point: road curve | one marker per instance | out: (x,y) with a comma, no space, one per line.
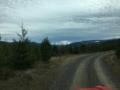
(85,71)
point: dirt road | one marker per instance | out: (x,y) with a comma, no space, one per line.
(84,71)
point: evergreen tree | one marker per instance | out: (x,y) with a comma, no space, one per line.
(118,49)
(21,59)
(46,50)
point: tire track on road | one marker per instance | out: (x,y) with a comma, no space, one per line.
(91,73)
(84,76)
(85,71)
(66,74)
(101,73)
(91,77)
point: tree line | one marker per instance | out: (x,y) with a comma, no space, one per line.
(21,54)
(118,50)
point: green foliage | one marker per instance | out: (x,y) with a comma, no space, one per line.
(3,56)
(21,58)
(118,49)
(21,49)
(46,50)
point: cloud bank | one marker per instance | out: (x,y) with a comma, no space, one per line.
(61,20)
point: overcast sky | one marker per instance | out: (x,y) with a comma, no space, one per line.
(63,21)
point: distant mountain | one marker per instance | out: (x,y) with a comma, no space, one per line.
(112,42)
(85,42)
(96,42)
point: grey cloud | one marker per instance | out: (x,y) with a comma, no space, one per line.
(62,19)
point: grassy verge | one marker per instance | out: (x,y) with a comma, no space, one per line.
(41,77)
(114,64)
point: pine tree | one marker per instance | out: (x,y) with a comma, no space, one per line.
(46,50)
(21,48)
(118,49)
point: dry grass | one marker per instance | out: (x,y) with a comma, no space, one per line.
(41,77)
(114,64)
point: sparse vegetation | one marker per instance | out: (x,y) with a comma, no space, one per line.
(113,63)
(41,77)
